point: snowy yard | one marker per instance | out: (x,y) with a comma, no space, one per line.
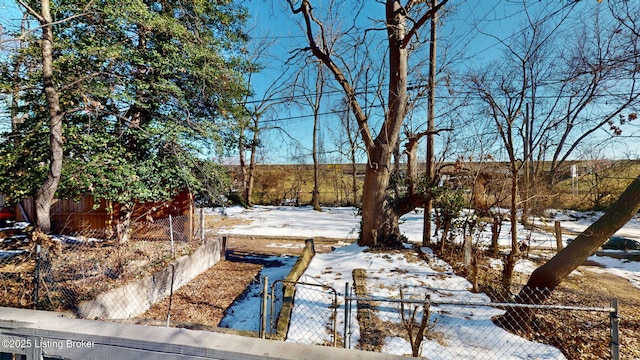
(458,333)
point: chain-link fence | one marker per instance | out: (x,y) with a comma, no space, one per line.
(243,313)
(438,323)
(93,275)
(67,272)
(472,327)
(315,316)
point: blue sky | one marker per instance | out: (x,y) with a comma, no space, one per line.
(471,30)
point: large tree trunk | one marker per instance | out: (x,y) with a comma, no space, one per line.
(48,189)
(379,221)
(548,276)
(124,223)
(378,224)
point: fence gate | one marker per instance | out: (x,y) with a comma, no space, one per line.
(308,323)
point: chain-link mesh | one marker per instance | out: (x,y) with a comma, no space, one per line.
(438,323)
(304,313)
(68,272)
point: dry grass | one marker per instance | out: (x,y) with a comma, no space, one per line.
(85,270)
(213,223)
(205,299)
(16,282)
(72,273)
(579,335)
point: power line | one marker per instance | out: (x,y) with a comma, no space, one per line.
(417,85)
(446,97)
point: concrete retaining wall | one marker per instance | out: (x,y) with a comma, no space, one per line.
(137,297)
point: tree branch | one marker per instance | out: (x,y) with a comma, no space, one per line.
(31,11)
(321,54)
(428,15)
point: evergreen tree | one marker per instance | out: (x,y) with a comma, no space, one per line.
(145,87)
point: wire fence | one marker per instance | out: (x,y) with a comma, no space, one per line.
(438,324)
(91,274)
(242,314)
(67,272)
(437,327)
(315,316)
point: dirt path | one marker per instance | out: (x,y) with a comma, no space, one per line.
(202,302)
(619,287)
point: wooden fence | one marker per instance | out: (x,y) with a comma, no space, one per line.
(69,216)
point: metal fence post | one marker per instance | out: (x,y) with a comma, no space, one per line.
(615,336)
(173,248)
(347,315)
(263,307)
(335,318)
(36,277)
(173,274)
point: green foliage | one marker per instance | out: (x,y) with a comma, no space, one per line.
(23,162)
(449,200)
(146,88)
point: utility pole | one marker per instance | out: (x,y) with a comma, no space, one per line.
(430,161)
(527,159)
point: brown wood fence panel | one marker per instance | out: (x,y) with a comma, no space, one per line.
(74,222)
(73,216)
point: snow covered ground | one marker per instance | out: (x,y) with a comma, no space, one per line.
(339,223)
(463,332)
(242,315)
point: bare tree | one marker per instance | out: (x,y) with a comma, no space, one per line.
(347,147)
(547,277)
(600,72)
(505,90)
(504,95)
(251,127)
(402,24)
(313,77)
(542,100)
